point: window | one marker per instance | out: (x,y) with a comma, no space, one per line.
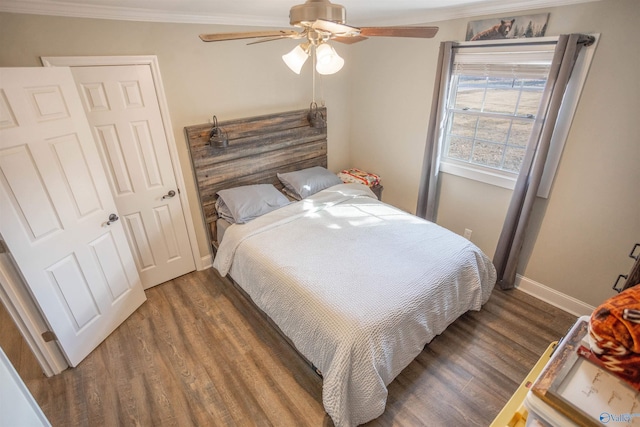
(490,120)
(459,126)
(493,99)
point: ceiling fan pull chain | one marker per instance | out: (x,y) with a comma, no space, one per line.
(321,90)
(313,72)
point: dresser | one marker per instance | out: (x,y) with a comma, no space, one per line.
(569,390)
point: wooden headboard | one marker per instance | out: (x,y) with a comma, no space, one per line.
(259,148)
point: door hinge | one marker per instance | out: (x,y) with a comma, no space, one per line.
(49,336)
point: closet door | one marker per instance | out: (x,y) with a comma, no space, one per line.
(122,108)
(57,214)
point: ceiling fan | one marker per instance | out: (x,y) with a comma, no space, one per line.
(321,21)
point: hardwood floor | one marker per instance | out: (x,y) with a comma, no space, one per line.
(197,353)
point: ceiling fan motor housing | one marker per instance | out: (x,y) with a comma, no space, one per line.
(312,10)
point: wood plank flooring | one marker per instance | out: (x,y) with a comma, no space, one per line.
(197,353)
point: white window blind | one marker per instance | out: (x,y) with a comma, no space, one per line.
(530,63)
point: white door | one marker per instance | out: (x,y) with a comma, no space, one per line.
(55,206)
(123,111)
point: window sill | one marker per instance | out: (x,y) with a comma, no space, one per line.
(479,174)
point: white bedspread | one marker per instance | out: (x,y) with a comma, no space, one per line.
(359,287)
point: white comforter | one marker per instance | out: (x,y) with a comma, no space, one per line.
(359,287)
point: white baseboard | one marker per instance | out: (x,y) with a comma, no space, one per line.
(206,262)
(553,297)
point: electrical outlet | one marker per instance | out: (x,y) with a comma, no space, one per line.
(467,234)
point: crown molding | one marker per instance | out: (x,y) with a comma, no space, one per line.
(92,11)
(420,16)
(503,7)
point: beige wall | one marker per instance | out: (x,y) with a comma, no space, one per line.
(580,238)
(230,79)
(378,111)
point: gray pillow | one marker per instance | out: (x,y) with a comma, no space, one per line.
(306,182)
(223,211)
(242,204)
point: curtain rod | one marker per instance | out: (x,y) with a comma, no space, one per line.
(585,39)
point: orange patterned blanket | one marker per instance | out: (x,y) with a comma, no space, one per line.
(614,335)
(359,176)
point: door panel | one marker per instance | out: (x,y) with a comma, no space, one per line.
(54,205)
(73,165)
(73,292)
(28,192)
(123,110)
(111,146)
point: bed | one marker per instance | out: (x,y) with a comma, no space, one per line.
(357,286)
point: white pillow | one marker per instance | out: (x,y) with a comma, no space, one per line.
(242,204)
(306,182)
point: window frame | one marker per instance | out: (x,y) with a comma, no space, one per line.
(507,179)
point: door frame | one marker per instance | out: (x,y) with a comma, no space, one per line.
(152,62)
(17,299)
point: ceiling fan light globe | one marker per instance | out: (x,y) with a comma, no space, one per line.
(331,68)
(325,54)
(296,59)
(327,60)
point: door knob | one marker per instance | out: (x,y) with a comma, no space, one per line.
(112,218)
(169,195)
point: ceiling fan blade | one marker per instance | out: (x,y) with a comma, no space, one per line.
(419,32)
(248,35)
(334,28)
(270,39)
(348,39)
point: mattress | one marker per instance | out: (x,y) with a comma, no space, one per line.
(358,286)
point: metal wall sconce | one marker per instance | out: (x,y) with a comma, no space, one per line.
(218,137)
(316,118)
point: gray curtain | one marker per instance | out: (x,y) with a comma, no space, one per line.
(524,194)
(427,195)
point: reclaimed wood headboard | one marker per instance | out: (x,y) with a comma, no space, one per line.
(259,148)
